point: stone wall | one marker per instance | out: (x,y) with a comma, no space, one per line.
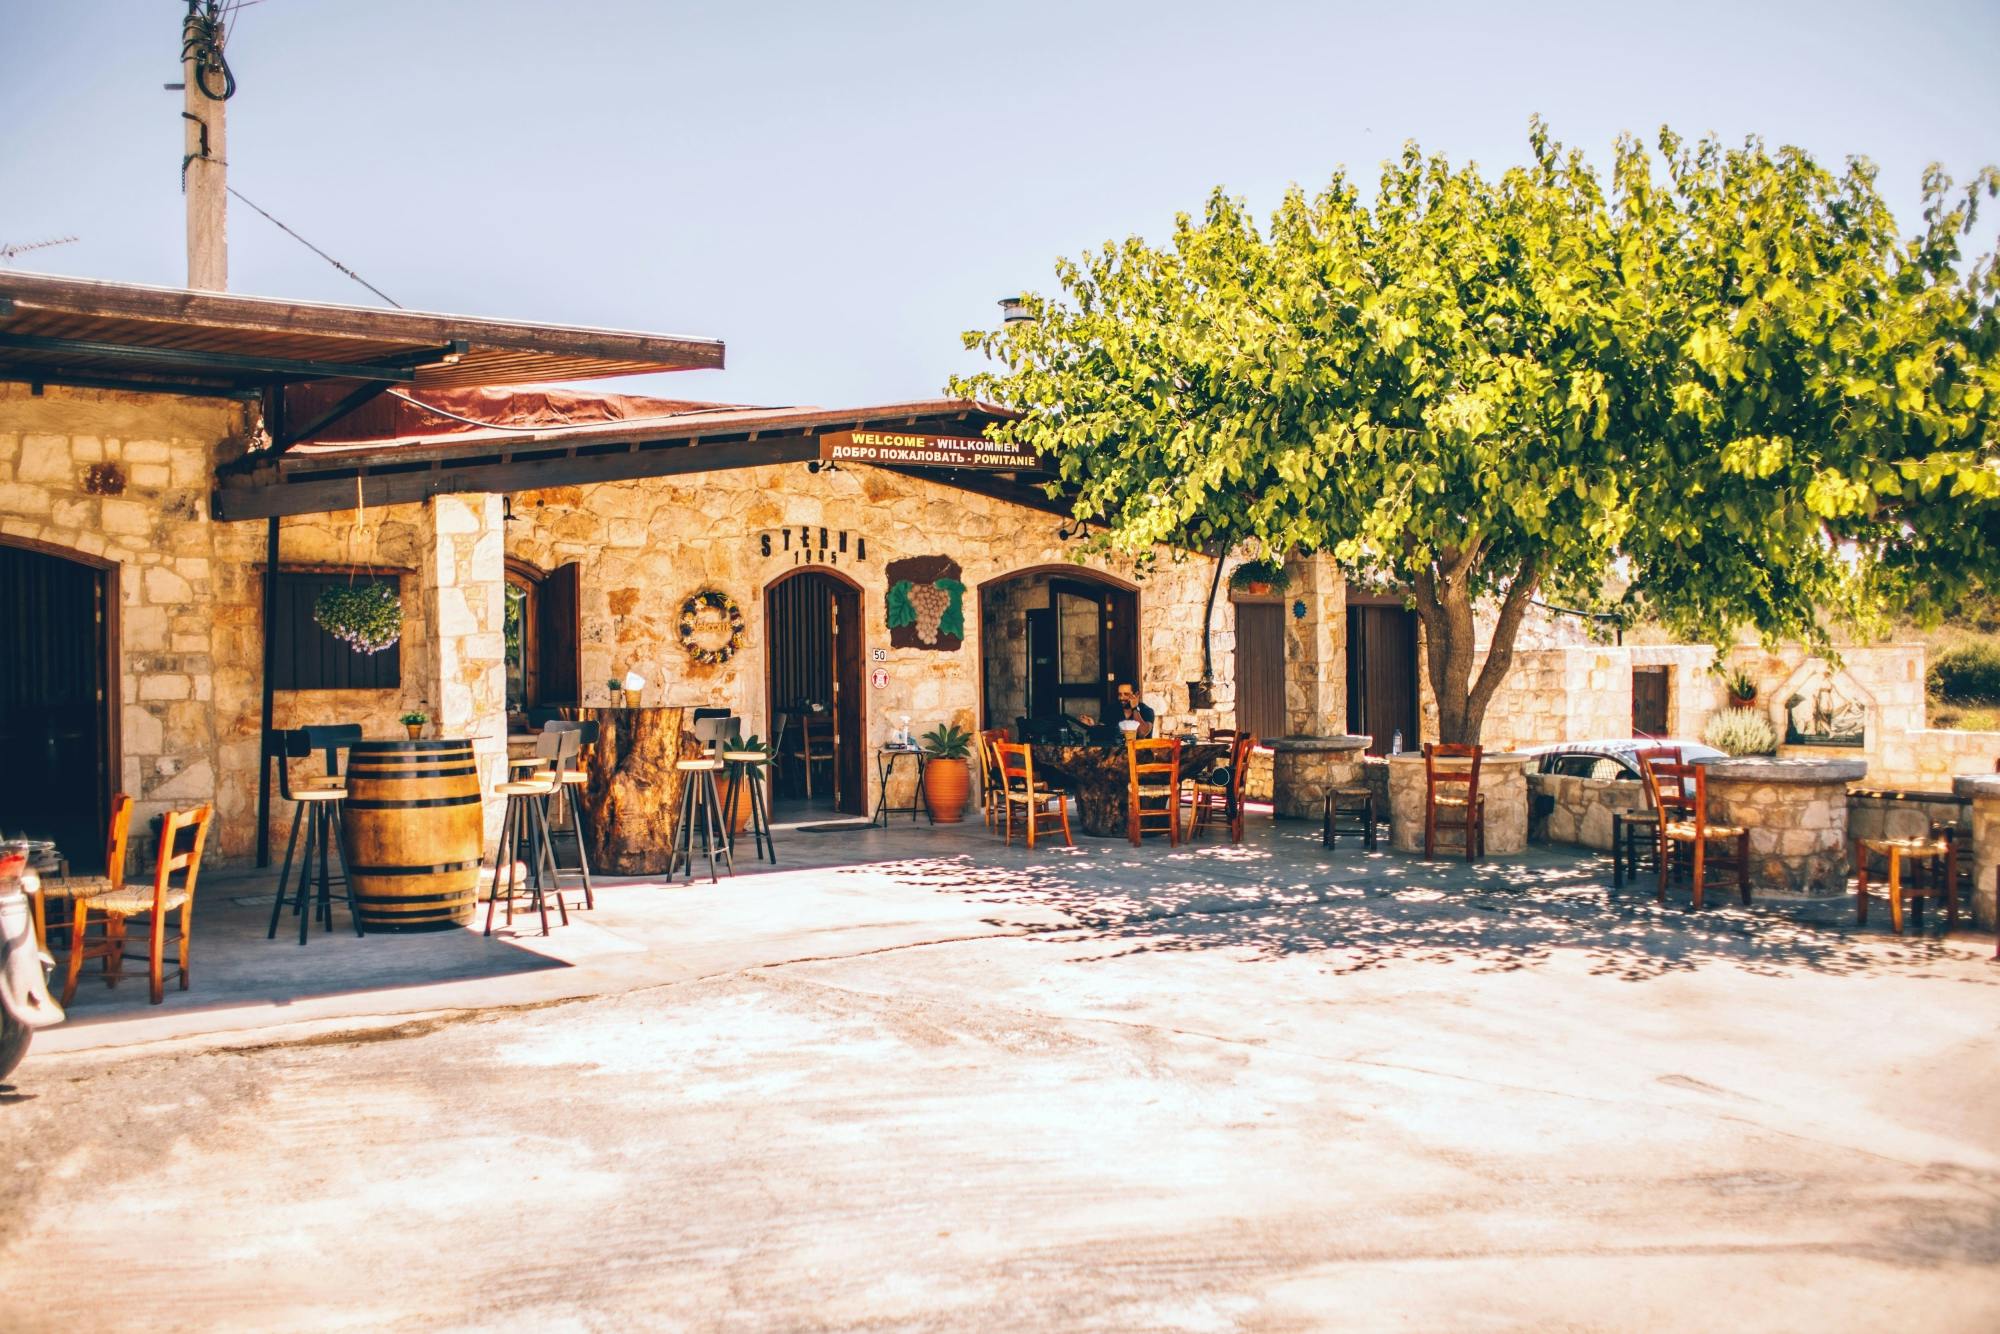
(644,546)
(1578,811)
(188,630)
(1561,694)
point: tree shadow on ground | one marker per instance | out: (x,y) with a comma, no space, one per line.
(1281,896)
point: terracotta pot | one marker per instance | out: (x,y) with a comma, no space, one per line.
(1743,701)
(416,731)
(742,800)
(947,787)
(1257,589)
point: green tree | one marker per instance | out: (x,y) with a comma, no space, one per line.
(1481,391)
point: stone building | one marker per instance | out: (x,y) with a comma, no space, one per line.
(159,448)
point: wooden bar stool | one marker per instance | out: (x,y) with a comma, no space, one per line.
(1927,857)
(318,805)
(1356,801)
(526,820)
(700,800)
(566,813)
(747,774)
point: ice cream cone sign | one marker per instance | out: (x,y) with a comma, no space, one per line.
(926,603)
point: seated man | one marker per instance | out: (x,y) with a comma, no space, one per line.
(1132,707)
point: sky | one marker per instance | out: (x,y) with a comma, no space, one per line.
(838,190)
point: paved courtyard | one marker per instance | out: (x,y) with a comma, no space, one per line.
(929,1083)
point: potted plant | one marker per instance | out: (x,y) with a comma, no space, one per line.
(414,720)
(369,617)
(947,777)
(737,780)
(614,690)
(1260,578)
(1742,688)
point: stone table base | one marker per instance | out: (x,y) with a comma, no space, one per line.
(1796,812)
(1305,768)
(1503,782)
(1983,791)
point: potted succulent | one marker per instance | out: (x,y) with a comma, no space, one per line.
(368,617)
(415,720)
(736,780)
(1260,578)
(947,776)
(1742,688)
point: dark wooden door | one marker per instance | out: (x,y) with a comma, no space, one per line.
(1044,700)
(1649,701)
(850,701)
(1082,662)
(1260,668)
(56,769)
(559,638)
(1382,676)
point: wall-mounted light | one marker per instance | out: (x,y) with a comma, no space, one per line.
(1013,310)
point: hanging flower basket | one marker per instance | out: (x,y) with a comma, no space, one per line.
(369,617)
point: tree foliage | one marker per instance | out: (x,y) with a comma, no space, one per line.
(1725,379)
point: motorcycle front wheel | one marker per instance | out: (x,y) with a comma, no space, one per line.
(14,1039)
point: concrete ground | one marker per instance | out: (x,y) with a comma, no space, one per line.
(930,1083)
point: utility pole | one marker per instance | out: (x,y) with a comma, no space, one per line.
(207,86)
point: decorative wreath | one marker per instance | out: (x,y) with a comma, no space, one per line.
(693,622)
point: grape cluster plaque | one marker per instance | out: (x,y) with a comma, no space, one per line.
(926,603)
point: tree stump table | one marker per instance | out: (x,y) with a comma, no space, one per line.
(1097,776)
(632,793)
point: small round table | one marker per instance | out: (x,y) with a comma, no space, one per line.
(885,765)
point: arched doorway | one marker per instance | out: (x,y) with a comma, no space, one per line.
(1055,641)
(59,696)
(813,636)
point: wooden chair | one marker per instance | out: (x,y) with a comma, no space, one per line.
(1224,798)
(1679,792)
(1019,788)
(1153,789)
(178,857)
(991,802)
(69,888)
(1451,791)
(1631,829)
(815,740)
(1935,864)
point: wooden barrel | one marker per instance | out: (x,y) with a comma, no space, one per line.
(414,833)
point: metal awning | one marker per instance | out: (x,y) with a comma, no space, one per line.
(78,331)
(321,478)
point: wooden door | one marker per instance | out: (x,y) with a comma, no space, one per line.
(1649,701)
(850,701)
(1382,676)
(1260,668)
(1083,666)
(57,690)
(1120,637)
(1044,700)
(559,638)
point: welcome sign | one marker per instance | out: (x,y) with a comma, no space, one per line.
(897,449)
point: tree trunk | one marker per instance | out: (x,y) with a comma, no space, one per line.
(1445,609)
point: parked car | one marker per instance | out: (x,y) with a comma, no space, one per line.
(1617,759)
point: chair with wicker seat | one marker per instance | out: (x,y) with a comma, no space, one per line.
(991,787)
(1629,828)
(1918,869)
(1224,797)
(1464,808)
(69,888)
(1679,792)
(1153,789)
(1019,787)
(178,856)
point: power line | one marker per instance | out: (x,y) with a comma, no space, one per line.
(315,249)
